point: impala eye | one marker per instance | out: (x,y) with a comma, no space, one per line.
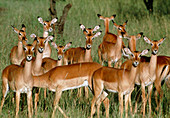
(45,24)
(151,44)
(45,41)
(64,50)
(159,44)
(33,49)
(25,48)
(119,28)
(57,50)
(20,34)
(38,41)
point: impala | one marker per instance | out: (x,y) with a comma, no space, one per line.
(49,63)
(62,78)
(80,54)
(132,40)
(17,53)
(19,80)
(146,74)
(115,80)
(47,27)
(110,51)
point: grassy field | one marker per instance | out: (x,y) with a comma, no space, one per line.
(18,12)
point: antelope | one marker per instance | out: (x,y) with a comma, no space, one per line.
(66,77)
(19,80)
(146,74)
(132,40)
(112,52)
(47,27)
(109,37)
(37,68)
(115,80)
(80,54)
(49,63)
(17,53)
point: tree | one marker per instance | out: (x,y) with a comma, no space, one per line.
(60,23)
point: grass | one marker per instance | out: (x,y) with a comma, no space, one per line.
(18,12)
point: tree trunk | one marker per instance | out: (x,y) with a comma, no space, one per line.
(149,5)
(60,23)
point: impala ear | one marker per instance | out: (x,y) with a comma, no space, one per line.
(49,38)
(124,24)
(100,16)
(54,20)
(112,17)
(114,24)
(96,28)
(144,52)
(23,27)
(124,54)
(15,29)
(161,41)
(139,35)
(147,40)
(127,50)
(82,27)
(97,34)
(54,44)
(40,20)
(33,36)
(67,45)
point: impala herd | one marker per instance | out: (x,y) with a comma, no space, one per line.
(75,68)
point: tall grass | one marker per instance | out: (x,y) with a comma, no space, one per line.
(18,12)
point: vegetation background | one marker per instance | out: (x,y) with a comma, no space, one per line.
(18,12)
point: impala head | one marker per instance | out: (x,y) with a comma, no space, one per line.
(21,33)
(61,49)
(136,55)
(40,42)
(120,28)
(90,35)
(106,18)
(47,25)
(154,44)
(29,51)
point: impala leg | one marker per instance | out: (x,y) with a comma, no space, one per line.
(99,101)
(137,98)
(130,103)
(150,93)
(93,108)
(17,103)
(143,98)
(36,99)
(4,92)
(106,104)
(160,92)
(56,100)
(86,92)
(121,104)
(29,102)
(126,104)
(45,96)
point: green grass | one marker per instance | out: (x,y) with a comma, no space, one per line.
(18,12)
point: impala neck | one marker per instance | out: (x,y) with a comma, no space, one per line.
(88,57)
(106,23)
(38,61)
(132,74)
(119,42)
(152,64)
(45,34)
(27,69)
(60,62)
(132,44)
(20,49)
